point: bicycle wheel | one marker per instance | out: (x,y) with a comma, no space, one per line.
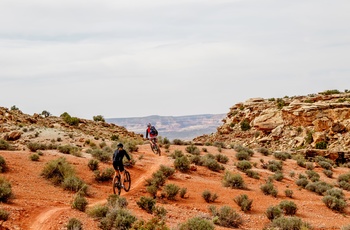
(127,181)
(116,185)
(153,148)
(157,149)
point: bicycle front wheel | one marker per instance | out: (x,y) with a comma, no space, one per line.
(116,185)
(127,181)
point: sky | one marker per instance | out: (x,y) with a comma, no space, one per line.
(135,58)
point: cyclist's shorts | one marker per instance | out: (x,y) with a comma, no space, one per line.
(118,166)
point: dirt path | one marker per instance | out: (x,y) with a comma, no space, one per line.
(44,220)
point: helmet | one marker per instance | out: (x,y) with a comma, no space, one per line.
(120,145)
(149,125)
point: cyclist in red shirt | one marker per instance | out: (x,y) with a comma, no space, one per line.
(153,133)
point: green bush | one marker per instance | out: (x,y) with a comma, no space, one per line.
(269,189)
(197,223)
(309,166)
(154,223)
(158,179)
(243,165)
(4,145)
(101,155)
(278,176)
(177,153)
(208,196)
(242,155)
(106,175)
(319,187)
(5,190)
(288,207)
(325,165)
(93,164)
(335,199)
(178,142)
(98,118)
(152,190)
(226,217)
(167,171)
(3,166)
(57,170)
(117,219)
(98,211)
(321,145)
(302,182)
(116,201)
(245,126)
(146,203)
(312,175)
(170,191)
(192,149)
(4,216)
(74,224)
(252,174)
(221,158)
(68,149)
(79,202)
(240,148)
(34,146)
(288,193)
(282,155)
(328,173)
(264,151)
(273,212)
(34,157)
(212,164)
(197,160)
(182,164)
(287,223)
(73,183)
(233,181)
(344,181)
(244,202)
(274,166)
(183,192)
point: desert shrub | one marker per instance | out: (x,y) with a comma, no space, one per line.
(274,166)
(152,190)
(280,103)
(322,158)
(288,193)
(167,171)
(330,92)
(4,216)
(192,149)
(57,170)
(160,212)
(335,200)
(242,155)
(302,182)
(282,155)
(3,166)
(197,223)
(117,219)
(244,202)
(73,121)
(98,211)
(319,187)
(343,181)
(116,201)
(233,181)
(288,207)
(301,163)
(264,151)
(245,125)
(170,191)
(309,139)
(34,157)
(183,192)
(74,224)
(273,212)
(226,217)
(106,175)
(93,164)
(328,173)
(177,153)
(73,183)
(252,174)
(178,142)
(98,118)
(146,203)
(325,165)
(154,223)
(208,196)
(321,145)
(182,164)
(34,146)
(5,190)
(4,145)
(289,223)
(309,166)
(269,189)
(158,179)
(197,160)
(101,155)
(212,164)
(243,165)
(79,202)
(131,146)
(312,175)
(68,149)
(278,176)
(114,137)
(221,158)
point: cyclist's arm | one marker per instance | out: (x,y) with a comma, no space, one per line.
(146,133)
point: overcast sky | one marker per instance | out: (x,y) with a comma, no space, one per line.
(133,58)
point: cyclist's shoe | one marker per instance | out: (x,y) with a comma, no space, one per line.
(122,186)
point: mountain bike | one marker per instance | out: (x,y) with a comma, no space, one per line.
(154,146)
(117,185)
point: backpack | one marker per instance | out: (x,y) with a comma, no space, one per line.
(153,131)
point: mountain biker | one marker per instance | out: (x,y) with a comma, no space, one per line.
(118,165)
(152,134)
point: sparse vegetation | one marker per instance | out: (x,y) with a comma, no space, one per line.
(197,223)
(6,193)
(226,217)
(98,118)
(244,202)
(79,202)
(182,164)
(170,191)
(146,203)
(233,181)
(269,189)
(4,145)
(93,164)
(74,224)
(3,166)
(208,196)
(286,223)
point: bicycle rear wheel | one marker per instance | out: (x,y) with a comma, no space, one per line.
(116,185)
(127,181)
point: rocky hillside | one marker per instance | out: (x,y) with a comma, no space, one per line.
(19,129)
(313,124)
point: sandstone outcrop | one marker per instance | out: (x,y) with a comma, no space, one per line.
(300,123)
